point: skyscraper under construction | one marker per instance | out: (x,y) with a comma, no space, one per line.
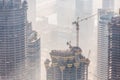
(68,64)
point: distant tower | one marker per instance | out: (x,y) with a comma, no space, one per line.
(114,49)
(13,20)
(104,17)
(102,56)
(108,4)
(32,54)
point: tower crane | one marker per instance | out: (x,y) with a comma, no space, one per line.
(76,23)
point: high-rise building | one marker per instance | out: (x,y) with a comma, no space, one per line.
(102,57)
(114,49)
(67,65)
(32,54)
(104,17)
(108,4)
(13,20)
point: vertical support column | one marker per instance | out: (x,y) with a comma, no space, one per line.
(77,66)
(76,72)
(83,76)
(54,72)
(47,72)
(86,67)
(47,62)
(62,69)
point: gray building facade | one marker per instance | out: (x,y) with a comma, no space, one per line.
(12,39)
(104,17)
(102,50)
(114,49)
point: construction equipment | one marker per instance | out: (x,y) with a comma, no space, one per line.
(78,25)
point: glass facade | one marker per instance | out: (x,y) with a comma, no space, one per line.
(114,49)
(102,56)
(12,40)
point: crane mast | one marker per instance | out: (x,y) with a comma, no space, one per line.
(76,23)
(77,31)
